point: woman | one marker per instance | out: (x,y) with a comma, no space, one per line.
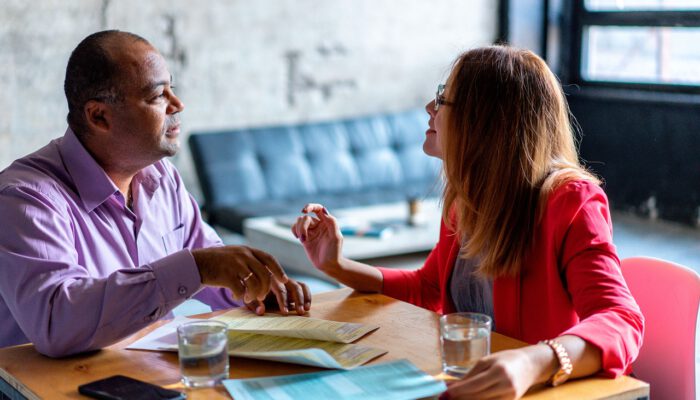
(526,233)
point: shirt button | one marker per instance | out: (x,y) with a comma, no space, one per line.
(182,290)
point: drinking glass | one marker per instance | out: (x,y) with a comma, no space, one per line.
(203,353)
(464,339)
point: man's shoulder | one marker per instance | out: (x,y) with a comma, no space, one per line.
(33,186)
(40,171)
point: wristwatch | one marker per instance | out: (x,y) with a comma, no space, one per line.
(565,366)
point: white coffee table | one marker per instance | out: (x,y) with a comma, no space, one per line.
(406,247)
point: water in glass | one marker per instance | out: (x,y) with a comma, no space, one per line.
(203,356)
(462,347)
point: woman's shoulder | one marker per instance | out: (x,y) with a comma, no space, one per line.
(578,206)
(568,200)
(574,194)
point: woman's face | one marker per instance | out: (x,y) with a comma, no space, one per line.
(437,126)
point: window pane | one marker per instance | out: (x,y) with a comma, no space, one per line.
(642,5)
(641,55)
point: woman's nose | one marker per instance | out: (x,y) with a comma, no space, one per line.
(430,107)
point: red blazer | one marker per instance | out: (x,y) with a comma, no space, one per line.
(570,282)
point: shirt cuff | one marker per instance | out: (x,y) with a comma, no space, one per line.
(177,276)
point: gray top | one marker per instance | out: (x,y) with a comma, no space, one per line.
(469,291)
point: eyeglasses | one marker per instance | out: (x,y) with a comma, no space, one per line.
(440,98)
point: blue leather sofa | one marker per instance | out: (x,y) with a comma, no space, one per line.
(347,163)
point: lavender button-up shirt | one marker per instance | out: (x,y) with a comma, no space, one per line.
(78,269)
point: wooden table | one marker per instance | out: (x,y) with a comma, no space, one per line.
(405,331)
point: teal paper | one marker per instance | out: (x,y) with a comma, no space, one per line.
(394,380)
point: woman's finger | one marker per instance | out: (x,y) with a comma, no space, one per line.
(304,229)
(294,227)
(495,391)
(312,208)
(476,384)
(320,211)
(336,227)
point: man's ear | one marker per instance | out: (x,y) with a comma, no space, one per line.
(98,116)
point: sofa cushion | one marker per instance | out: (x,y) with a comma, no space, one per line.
(276,170)
(328,149)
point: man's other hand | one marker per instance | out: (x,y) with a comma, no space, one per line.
(248,272)
(293,295)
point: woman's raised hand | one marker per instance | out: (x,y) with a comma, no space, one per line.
(320,236)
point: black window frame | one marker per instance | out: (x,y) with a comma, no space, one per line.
(577,17)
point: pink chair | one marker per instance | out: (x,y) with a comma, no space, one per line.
(669,295)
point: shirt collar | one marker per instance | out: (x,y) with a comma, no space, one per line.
(91,181)
(149,179)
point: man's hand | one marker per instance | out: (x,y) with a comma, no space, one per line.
(284,296)
(248,272)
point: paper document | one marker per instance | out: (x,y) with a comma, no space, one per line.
(263,346)
(163,338)
(242,320)
(389,381)
(315,353)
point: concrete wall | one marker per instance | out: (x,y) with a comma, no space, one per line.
(241,63)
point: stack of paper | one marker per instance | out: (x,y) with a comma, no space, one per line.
(291,339)
(394,380)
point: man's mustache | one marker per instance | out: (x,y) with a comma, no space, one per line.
(171,121)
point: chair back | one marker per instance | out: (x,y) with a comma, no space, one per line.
(668,295)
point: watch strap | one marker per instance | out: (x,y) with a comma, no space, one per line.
(565,365)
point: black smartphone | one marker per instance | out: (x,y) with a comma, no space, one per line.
(120,387)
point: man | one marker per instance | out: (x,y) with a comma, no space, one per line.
(100,236)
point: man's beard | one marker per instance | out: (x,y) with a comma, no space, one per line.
(169,146)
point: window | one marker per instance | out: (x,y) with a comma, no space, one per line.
(641,5)
(637,43)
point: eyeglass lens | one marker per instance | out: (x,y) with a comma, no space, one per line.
(438,96)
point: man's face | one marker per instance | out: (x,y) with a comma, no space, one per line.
(146,124)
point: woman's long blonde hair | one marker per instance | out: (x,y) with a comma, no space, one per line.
(509,143)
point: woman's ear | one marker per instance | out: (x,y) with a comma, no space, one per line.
(97,116)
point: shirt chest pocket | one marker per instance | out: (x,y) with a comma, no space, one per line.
(174,240)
